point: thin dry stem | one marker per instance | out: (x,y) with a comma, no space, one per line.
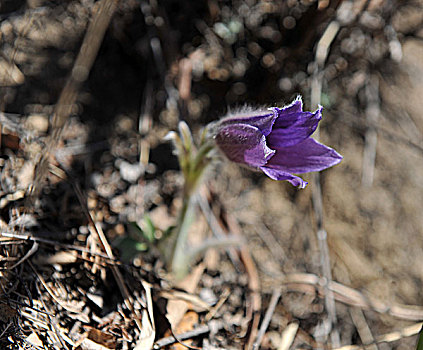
(372,117)
(267,317)
(359,320)
(322,51)
(80,71)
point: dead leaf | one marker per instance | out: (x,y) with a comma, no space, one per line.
(148,331)
(10,74)
(26,174)
(34,340)
(11,197)
(176,309)
(194,302)
(10,141)
(61,258)
(95,339)
(187,323)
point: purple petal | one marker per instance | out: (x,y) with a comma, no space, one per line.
(291,128)
(245,144)
(258,155)
(295,107)
(262,120)
(289,115)
(304,157)
(278,143)
(281,175)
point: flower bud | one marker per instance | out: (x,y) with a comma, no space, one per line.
(277,141)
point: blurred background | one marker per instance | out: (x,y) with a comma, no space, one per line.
(165,61)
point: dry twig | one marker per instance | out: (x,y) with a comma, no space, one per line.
(372,116)
(288,336)
(115,269)
(79,74)
(254,307)
(322,51)
(363,328)
(182,336)
(267,318)
(347,295)
(387,338)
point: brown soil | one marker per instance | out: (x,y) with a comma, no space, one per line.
(83,159)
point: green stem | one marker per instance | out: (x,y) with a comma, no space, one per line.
(193,164)
(180,258)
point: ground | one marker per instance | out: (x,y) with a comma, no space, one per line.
(89,187)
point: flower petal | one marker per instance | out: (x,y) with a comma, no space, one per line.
(278,143)
(262,120)
(289,115)
(304,157)
(244,144)
(295,107)
(293,126)
(281,175)
(259,155)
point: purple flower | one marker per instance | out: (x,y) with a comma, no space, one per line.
(276,141)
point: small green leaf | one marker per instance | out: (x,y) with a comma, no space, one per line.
(149,229)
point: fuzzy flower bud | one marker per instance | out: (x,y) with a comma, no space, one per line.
(277,141)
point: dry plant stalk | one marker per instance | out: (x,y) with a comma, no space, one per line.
(322,51)
(79,74)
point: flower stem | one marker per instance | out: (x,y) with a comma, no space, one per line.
(193,162)
(180,259)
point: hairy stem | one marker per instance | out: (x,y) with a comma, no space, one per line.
(180,259)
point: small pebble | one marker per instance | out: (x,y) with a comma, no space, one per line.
(38,122)
(131,172)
